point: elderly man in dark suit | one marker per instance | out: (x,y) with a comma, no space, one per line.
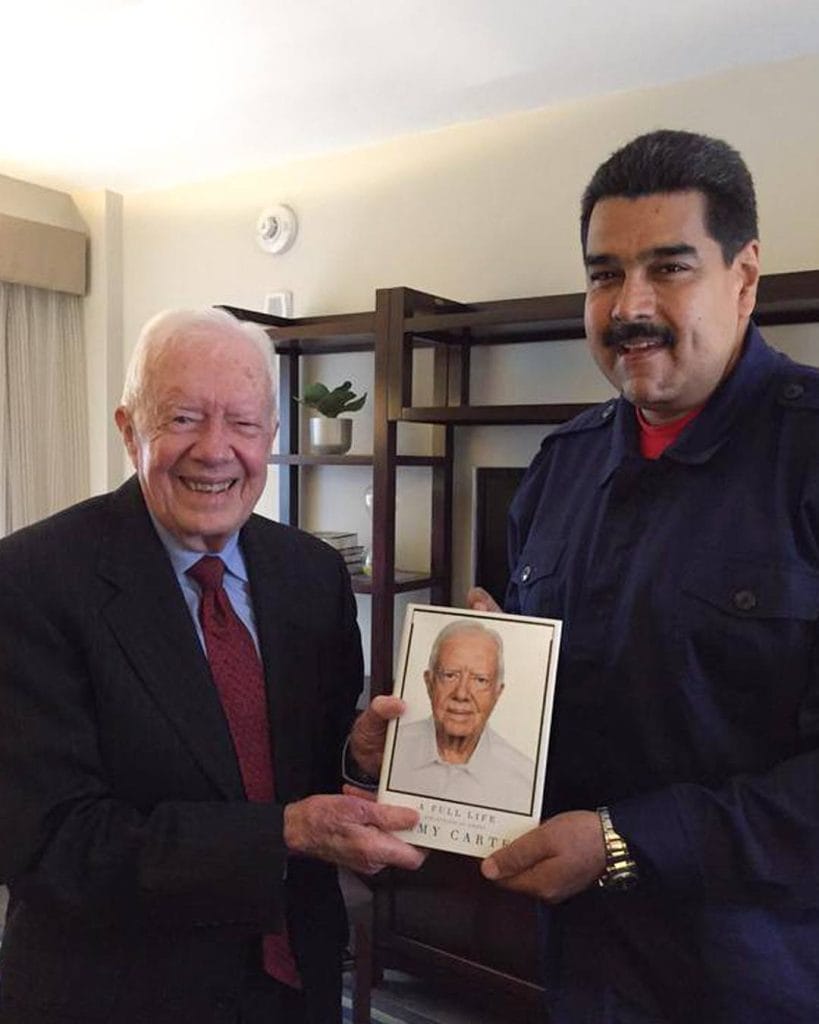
(177,680)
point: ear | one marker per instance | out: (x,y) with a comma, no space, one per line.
(746,263)
(125,425)
(428,682)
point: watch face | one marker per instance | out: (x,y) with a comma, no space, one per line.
(620,879)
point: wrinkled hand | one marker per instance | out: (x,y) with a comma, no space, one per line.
(560,858)
(370,731)
(351,832)
(362,794)
(480,600)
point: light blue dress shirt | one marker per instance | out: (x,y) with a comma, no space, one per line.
(235,580)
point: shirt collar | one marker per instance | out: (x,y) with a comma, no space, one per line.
(183,558)
(706,434)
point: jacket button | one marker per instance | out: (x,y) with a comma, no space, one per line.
(793,391)
(745,600)
(525,573)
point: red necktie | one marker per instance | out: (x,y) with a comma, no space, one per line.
(239,678)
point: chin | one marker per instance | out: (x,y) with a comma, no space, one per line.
(211,534)
(460,731)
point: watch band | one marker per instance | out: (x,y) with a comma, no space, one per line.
(351,773)
(621,868)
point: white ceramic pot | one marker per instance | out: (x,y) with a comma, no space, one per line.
(330,436)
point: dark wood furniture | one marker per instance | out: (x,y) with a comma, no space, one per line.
(444,918)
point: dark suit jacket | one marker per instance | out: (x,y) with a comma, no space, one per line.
(141,878)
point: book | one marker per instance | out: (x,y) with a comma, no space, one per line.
(458,668)
(352,554)
(336,539)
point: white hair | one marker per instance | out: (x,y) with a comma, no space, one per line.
(174,325)
(464,626)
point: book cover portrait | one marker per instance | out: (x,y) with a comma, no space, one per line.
(470,752)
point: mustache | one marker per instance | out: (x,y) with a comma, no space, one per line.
(617,334)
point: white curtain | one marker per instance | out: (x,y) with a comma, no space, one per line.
(43,415)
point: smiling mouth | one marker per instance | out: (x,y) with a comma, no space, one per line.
(208,486)
(641,345)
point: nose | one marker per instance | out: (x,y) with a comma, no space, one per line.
(635,298)
(461,691)
(212,443)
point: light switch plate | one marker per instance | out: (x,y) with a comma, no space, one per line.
(279,303)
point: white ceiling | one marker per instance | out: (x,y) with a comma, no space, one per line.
(133,94)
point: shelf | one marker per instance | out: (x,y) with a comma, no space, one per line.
(320,460)
(420,460)
(788,298)
(308,335)
(349,332)
(351,460)
(508,321)
(477,415)
(783,298)
(405,581)
(312,335)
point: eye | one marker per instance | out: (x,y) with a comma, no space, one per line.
(449,676)
(602,276)
(668,269)
(247,429)
(182,420)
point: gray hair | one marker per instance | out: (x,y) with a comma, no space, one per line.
(173,325)
(458,627)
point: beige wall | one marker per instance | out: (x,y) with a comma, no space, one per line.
(102,214)
(480,210)
(485,210)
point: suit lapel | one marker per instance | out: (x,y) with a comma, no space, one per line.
(153,626)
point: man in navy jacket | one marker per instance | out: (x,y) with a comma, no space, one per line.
(675,530)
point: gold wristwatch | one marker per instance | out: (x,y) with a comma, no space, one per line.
(621,868)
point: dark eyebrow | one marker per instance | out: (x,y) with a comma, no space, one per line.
(595,259)
(682,249)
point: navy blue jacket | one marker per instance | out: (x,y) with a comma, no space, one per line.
(687,696)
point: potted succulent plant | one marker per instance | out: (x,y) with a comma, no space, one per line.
(329,433)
